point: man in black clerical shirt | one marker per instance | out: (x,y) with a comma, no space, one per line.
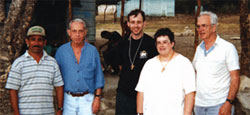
(134,51)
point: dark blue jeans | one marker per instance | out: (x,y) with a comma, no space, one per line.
(125,105)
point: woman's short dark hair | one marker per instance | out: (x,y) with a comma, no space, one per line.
(164,32)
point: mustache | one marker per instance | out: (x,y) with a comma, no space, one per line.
(36,46)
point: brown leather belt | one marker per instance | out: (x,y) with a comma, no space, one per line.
(77,94)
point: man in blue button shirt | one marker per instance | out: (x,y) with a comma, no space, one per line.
(80,65)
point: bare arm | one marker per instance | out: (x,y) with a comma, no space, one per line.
(139,102)
(59,97)
(97,101)
(14,101)
(189,103)
(234,86)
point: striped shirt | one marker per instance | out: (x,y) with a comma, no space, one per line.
(35,83)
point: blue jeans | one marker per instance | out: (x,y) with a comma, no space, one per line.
(212,110)
(78,105)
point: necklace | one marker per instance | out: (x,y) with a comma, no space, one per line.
(163,69)
(129,52)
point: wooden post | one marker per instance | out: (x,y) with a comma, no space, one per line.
(140,4)
(70,10)
(115,13)
(196,16)
(122,18)
(104,17)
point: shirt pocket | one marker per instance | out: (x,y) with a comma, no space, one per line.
(215,67)
(89,70)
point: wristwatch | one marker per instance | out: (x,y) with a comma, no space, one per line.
(98,95)
(230,101)
(139,113)
(60,109)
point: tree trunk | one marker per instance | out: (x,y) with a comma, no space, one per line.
(245,38)
(2,13)
(11,41)
(196,39)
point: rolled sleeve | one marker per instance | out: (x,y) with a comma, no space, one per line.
(99,82)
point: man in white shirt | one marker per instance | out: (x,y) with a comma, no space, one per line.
(217,65)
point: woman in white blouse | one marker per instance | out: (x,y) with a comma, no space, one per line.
(167,81)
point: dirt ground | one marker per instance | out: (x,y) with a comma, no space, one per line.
(228,29)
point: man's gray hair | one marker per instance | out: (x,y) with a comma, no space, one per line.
(213,17)
(77,20)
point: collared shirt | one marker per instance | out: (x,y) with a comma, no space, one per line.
(213,72)
(204,48)
(35,83)
(82,77)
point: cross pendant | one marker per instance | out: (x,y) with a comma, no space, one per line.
(132,66)
(163,69)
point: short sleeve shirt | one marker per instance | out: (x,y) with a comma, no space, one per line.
(213,72)
(35,83)
(164,92)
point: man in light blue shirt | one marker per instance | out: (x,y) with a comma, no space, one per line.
(80,65)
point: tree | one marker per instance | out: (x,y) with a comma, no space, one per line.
(12,35)
(245,38)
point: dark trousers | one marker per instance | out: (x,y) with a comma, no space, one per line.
(125,105)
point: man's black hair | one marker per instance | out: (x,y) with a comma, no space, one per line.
(135,12)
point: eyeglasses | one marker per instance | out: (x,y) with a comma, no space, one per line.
(203,26)
(164,42)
